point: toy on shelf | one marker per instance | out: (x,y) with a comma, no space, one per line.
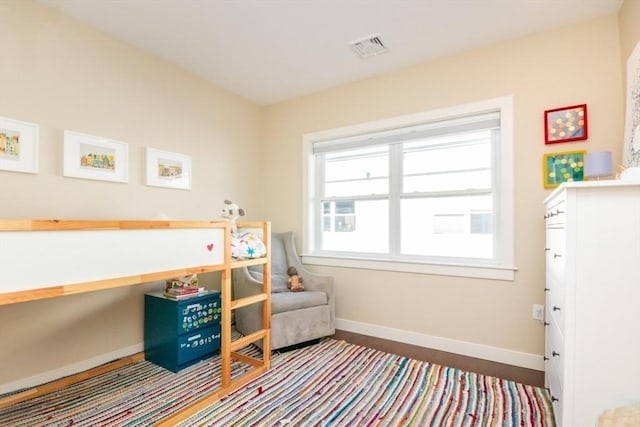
(183,287)
(182,282)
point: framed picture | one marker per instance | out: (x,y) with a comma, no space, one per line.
(94,157)
(565,124)
(167,169)
(567,166)
(18,145)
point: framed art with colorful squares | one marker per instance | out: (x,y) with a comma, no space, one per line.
(565,124)
(566,166)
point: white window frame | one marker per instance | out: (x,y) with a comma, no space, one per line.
(504,269)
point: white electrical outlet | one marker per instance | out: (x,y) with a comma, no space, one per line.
(538,312)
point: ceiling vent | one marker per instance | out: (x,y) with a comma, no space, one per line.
(368,46)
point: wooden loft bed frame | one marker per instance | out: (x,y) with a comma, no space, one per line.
(110,254)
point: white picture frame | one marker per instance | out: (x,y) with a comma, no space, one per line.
(18,145)
(94,157)
(167,169)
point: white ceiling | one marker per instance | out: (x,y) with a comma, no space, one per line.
(273,50)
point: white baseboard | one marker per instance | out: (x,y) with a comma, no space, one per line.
(74,368)
(495,354)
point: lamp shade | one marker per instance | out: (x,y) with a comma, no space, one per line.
(598,164)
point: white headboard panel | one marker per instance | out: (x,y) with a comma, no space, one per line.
(77,256)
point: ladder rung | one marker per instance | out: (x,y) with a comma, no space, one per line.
(241,302)
(247,359)
(245,341)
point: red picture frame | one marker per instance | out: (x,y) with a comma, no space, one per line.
(566,124)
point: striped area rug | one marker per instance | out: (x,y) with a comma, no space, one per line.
(330,384)
(340,384)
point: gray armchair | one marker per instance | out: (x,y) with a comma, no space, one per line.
(296,317)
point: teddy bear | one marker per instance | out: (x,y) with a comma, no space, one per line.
(294,282)
(232,211)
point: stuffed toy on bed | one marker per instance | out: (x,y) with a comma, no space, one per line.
(244,245)
(232,212)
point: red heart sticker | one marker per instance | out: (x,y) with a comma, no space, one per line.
(210,247)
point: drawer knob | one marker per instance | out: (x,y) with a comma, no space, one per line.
(558,212)
(547,249)
(555,255)
(554,399)
(556,308)
(547,289)
(545,358)
(546,323)
(555,353)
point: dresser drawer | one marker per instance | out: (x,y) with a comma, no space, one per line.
(198,345)
(555,214)
(200,313)
(555,351)
(554,304)
(555,394)
(555,250)
(176,353)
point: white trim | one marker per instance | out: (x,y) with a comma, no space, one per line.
(457,270)
(74,368)
(494,354)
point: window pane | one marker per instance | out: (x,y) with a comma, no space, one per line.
(457,227)
(463,151)
(454,162)
(365,231)
(474,180)
(363,171)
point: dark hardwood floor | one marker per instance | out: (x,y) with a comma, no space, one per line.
(481,366)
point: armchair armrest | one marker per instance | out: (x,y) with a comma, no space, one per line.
(312,281)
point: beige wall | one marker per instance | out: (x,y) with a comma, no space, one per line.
(63,75)
(577,64)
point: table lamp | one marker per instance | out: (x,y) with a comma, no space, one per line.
(598,165)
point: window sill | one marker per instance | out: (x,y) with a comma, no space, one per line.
(457,270)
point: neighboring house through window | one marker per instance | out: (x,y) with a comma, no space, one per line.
(430,192)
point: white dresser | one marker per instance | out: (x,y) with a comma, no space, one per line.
(592,319)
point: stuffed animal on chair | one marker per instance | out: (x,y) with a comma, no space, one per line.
(294,282)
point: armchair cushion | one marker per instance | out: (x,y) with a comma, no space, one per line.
(278,281)
(283,302)
(279,267)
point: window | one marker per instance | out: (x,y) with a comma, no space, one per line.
(430,193)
